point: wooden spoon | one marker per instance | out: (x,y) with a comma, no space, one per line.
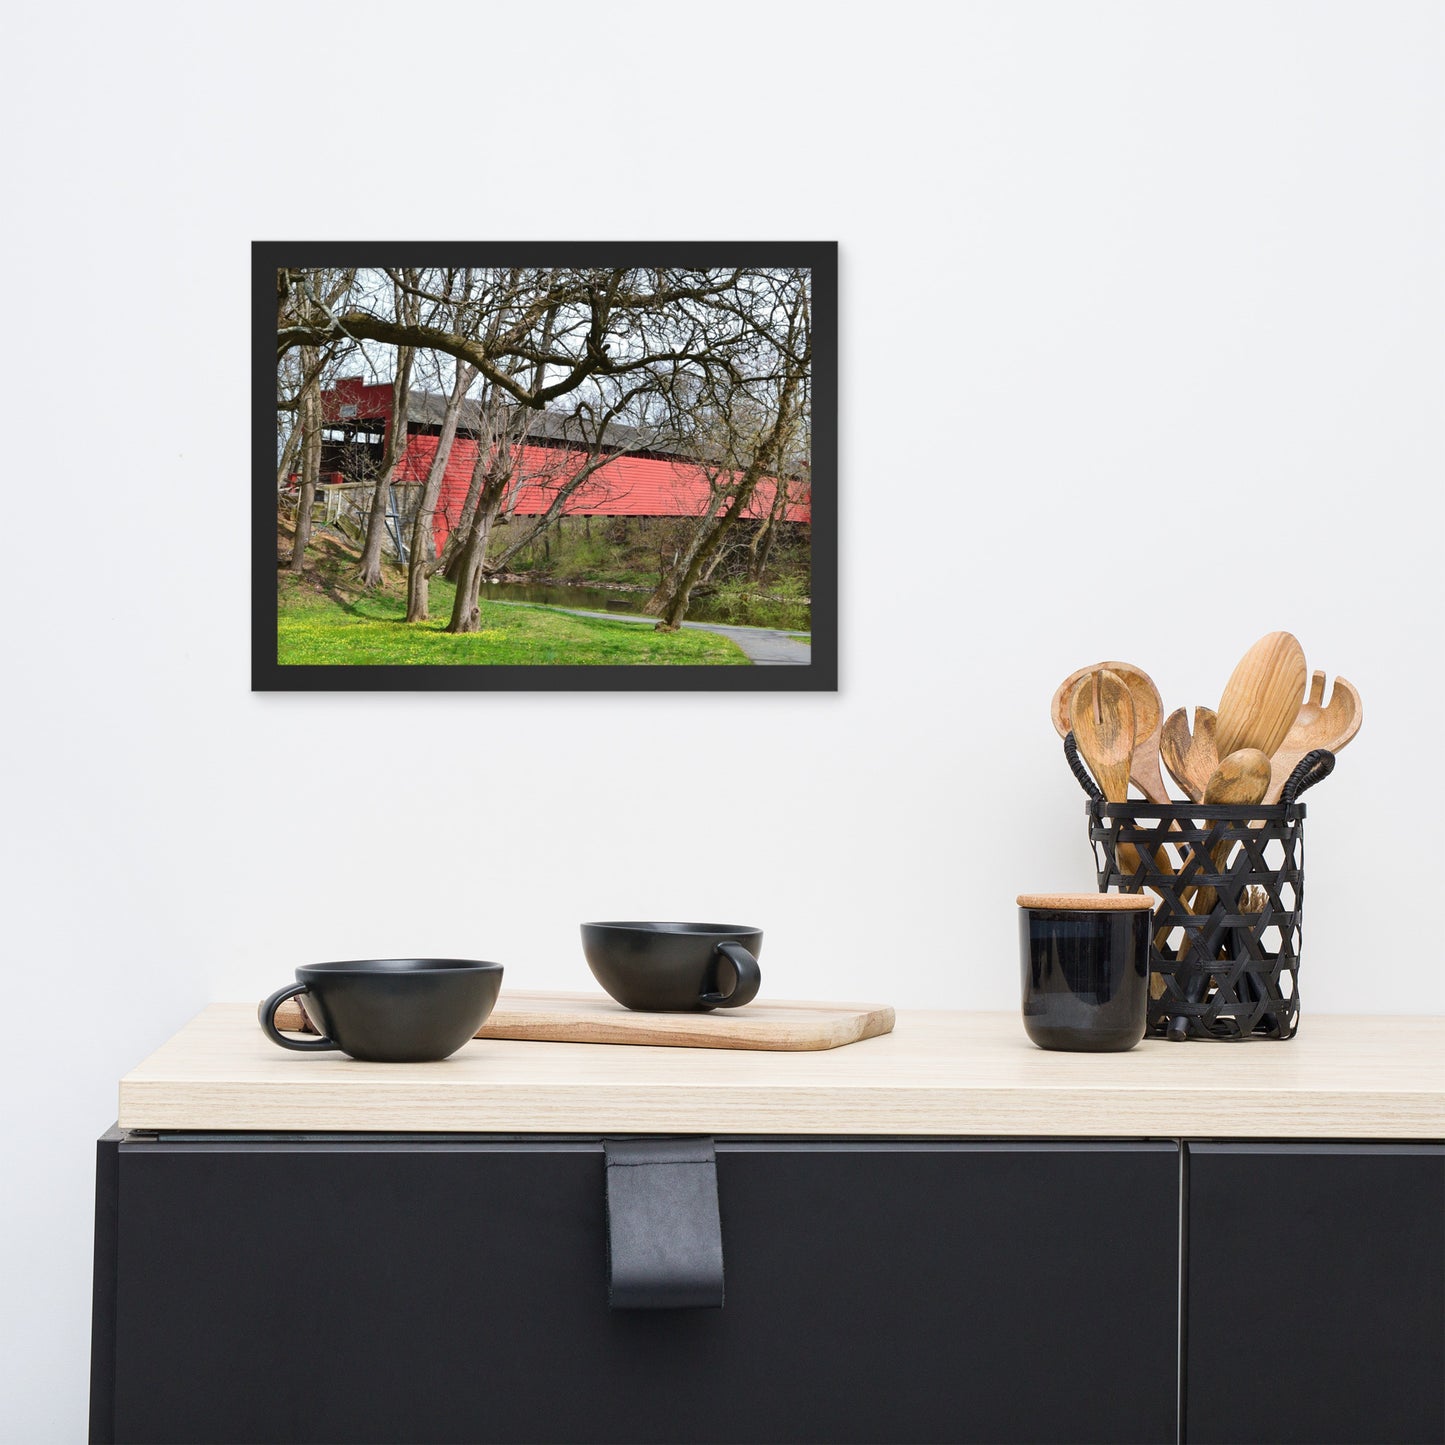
(1148,719)
(1241,780)
(1316,725)
(1190,758)
(1262,697)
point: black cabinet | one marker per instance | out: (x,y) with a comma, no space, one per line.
(435,1288)
(1316,1293)
(418,1288)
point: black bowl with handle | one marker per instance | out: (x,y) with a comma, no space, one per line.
(675,967)
(389,1010)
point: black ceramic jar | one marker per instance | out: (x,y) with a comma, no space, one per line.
(1085,963)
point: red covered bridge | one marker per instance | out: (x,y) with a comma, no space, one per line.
(637,481)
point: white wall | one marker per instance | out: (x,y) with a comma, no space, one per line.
(1141,319)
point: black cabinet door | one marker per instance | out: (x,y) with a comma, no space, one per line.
(416,1290)
(1316,1294)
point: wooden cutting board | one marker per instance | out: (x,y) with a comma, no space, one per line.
(585,1018)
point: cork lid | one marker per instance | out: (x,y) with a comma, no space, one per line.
(1087,902)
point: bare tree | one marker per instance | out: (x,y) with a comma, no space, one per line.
(406,308)
(299,293)
(289,450)
(753,451)
(491,474)
(310,427)
(419,562)
(650,306)
(459,528)
(790,488)
(596,444)
(501,437)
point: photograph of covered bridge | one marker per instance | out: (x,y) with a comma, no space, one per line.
(641,474)
(565,467)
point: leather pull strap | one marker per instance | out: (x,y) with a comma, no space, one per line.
(664,1235)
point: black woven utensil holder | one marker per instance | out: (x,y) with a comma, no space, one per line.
(1230,973)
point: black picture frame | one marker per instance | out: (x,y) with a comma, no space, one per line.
(819,675)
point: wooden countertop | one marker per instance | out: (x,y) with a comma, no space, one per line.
(936,1074)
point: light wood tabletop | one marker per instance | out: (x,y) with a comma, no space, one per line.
(937,1073)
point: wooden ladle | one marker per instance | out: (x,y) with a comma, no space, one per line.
(1317,724)
(1262,697)
(1148,719)
(1190,757)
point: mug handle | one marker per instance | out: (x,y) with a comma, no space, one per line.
(267,1014)
(749,978)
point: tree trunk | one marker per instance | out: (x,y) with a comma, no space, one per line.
(466,611)
(456,542)
(762,546)
(712,566)
(288,455)
(760,559)
(668,575)
(674,606)
(310,455)
(422,538)
(368,571)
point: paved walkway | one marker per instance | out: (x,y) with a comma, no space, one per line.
(764,646)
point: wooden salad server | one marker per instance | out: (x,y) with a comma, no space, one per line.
(1101,714)
(1190,757)
(1148,719)
(1317,724)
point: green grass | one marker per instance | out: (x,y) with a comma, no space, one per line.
(324,620)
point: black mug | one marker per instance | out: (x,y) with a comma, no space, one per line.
(675,967)
(1085,963)
(389,1010)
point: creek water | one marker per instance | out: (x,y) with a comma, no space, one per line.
(793,616)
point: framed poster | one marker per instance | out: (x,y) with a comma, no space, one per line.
(544,465)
